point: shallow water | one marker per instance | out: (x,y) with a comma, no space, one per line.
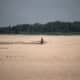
(57,59)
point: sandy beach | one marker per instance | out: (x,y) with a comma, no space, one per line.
(21,58)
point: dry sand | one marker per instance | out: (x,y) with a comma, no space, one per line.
(58,59)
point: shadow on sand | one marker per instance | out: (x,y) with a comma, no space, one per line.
(21,42)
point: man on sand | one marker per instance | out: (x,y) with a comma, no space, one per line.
(42,41)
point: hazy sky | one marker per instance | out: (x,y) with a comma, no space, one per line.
(30,11)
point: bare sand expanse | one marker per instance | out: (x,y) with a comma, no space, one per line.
(57,59)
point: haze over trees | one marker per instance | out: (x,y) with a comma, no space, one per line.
(48,28)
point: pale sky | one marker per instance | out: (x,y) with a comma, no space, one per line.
(30,11)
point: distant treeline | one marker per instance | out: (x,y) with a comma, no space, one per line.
(48,28)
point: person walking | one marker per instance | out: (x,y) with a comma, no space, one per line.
(42,40)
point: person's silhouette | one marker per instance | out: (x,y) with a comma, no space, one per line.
(42,40)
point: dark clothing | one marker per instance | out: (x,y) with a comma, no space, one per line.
(42,41)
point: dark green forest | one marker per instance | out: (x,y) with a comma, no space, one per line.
(50,28)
